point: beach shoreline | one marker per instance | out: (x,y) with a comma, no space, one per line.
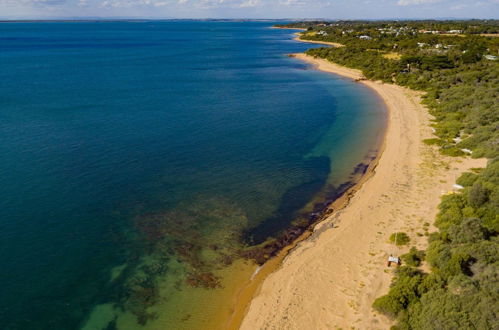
(297,37)
(327,43)
(251,288)
(287,28)
(300,292)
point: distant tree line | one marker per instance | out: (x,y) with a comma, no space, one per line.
(472,26)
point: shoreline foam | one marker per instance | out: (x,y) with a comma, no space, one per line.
(332,276)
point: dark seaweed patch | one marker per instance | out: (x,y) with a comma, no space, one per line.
(297,224)
(291,202)
(361,168)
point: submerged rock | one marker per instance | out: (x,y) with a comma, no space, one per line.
(204,280)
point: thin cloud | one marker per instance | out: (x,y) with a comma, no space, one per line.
(131,3)
(416,2)
(249,3)
(459,6)
(250,8)
(33,2)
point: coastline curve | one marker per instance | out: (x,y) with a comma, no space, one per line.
(338,270)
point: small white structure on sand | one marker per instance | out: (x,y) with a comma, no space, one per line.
(396,260)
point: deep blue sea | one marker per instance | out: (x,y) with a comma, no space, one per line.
(138,159)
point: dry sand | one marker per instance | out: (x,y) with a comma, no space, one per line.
(330,280)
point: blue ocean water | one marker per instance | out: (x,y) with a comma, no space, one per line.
(137,159)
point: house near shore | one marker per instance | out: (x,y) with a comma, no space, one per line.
(364,37)
(491,57)
(429,31)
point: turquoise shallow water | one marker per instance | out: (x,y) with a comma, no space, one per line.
(146,155)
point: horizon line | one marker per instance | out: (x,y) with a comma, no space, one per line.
(136,18)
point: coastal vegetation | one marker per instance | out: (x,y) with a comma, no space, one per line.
(399,238)
(458,71)
(473,26)
(414,257)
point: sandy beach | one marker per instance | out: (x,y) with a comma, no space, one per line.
(333,44)
(298,34)
(330,279)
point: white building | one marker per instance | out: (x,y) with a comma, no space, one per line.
(491,57)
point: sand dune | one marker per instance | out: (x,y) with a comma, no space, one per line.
(331,279)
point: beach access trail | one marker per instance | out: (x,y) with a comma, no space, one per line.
(331,279)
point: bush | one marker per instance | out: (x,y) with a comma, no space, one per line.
(467,179)
(388,305)
(478,195)
(457,264)
(468,231)
(432,281)
(399,238)
(403,292)
(413,257)
(433,141)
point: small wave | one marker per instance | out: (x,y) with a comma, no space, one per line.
(255,272)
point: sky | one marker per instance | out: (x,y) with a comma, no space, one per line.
(272,9)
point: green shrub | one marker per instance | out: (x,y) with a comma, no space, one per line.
(478,195)
(413,257)
(403,291)
(399,238)
(468,231)
(388,305)
(433,141)
(467,179)
(432,281)
(451,151)
(457,264)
